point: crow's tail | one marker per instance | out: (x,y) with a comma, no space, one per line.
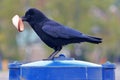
(94,40)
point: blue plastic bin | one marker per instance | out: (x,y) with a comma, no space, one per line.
(62,68)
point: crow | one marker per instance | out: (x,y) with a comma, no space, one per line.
(54,34)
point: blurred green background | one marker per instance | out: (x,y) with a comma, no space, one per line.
(94,17)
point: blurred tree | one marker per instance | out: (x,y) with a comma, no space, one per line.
(7,32)
(94,17)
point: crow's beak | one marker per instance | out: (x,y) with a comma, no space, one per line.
(24,18)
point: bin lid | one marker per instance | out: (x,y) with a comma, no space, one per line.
(61,61)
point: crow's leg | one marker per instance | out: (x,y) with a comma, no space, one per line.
(54,53)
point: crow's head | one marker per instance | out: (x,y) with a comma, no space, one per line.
(33,15)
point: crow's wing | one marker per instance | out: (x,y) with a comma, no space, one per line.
(57,30)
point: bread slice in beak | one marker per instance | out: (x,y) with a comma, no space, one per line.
(18,23)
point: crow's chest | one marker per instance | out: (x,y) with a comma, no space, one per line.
(44,36)
(40,32)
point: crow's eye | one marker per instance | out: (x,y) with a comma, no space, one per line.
(29,16)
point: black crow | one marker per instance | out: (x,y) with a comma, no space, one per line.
(54,34)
